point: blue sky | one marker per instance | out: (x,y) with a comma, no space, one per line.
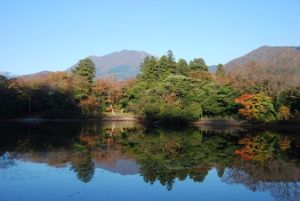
(41,35)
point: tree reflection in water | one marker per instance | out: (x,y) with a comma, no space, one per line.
(84,166)
(261,161)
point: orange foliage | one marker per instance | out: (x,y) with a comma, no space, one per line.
(285,143)
(203,75)
(256,106)
(247,101)
(254,149)
(244,154)
(90,104)
(89,140)
(111,89)
(62,81)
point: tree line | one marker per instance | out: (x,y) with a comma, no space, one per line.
(165,90)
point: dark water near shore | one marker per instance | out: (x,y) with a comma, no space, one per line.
(125,161)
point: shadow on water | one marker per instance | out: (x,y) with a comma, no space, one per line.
(258,159)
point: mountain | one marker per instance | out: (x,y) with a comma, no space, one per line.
(275,59)
(122,64)
(41,73)
(270,69)
(212,69)
(113,161)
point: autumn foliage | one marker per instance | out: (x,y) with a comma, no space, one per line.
(262,147)
(283,113)
(165,90)
(256,107)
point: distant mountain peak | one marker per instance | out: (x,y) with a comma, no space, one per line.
(269,57)
(121,64)
(266,47)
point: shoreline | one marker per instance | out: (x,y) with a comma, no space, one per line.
(40,120)
(199,123)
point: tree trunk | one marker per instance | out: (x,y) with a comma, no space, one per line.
(29,104)
(81,108)
(112,110)
(112,130)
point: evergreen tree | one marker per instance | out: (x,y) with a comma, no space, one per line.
(198,64)
(86,69)
(220,70)
(149,70)
(182,67)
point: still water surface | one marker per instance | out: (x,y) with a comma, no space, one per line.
(114,161)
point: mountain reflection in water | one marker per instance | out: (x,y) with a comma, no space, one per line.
(264,161)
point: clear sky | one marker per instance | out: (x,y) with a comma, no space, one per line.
(52,35)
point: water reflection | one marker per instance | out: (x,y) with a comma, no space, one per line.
(6,161)
(260,160)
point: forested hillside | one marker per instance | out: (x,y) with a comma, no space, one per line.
(275,60)
(165,90)
(269,69)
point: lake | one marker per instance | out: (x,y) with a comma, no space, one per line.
(126,161)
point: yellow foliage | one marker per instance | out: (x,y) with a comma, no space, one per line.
(284,113)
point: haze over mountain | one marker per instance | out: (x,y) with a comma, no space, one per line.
(122,64)
(273,59)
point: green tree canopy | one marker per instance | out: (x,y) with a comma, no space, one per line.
(169,90)
(3,82)
(182,66)
(149,70)
(198,64)
(86,69)
(220,70)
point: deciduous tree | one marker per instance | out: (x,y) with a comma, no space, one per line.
(256,107)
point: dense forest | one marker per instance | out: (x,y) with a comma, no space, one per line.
(165,90)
